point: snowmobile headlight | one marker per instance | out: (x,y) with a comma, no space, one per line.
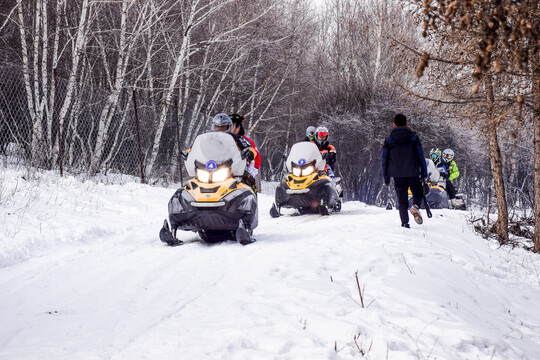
(308,170)
(203,176)
(296,171)
(220,175)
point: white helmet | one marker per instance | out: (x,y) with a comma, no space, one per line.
(222,120)
(448,155)
(322,131)
(310,131)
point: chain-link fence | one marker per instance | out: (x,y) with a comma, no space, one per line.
(52,124)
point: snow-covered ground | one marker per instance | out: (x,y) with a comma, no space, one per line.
(83,275)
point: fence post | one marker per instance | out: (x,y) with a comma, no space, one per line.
(59,130)
(178,140)
(138,137)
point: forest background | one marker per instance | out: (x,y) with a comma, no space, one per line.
(91,86)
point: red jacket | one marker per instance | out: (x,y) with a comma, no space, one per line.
(258,156)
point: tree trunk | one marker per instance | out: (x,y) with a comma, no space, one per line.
(25,53)
(109,108)
(536,124)
(496,164)
(160,126)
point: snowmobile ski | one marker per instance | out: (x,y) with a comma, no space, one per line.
(337,206)
(166,236)
(242,235)
(274,211)
(323,210)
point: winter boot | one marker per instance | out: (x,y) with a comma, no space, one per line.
(406,226)
(415,211)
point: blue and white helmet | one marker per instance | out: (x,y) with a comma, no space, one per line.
(435,154)
(448,155)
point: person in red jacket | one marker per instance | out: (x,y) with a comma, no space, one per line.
(238,129)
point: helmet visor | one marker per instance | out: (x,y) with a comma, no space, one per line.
(447,156)
(322,134)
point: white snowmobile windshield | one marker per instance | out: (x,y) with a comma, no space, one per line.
(213,149)
(433,172)
(303,153)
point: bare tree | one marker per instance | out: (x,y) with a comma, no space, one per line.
(504,35)
(38,63)
(134,21)
(357,66)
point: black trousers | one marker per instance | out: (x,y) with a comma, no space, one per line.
(402,185)
(450,189)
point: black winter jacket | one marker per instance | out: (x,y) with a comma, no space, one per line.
(402,154)
(325,146)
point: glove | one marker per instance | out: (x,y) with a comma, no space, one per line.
(249,179)
(331,158)
(386,181)
(247,155)
(184,154)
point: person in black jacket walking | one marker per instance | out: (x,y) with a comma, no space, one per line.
(403,159)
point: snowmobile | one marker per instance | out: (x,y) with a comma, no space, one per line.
(306,186)
(214,202)
(459,202)
(437,197)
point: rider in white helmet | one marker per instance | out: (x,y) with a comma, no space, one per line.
(222,122)
(310,134)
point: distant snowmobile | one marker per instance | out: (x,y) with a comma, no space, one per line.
(437,197)
(307,188)
(214,202)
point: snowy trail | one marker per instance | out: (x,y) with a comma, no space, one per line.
(96,283)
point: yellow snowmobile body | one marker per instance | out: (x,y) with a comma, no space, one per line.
(214,202)
(306,188)
(437,197)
